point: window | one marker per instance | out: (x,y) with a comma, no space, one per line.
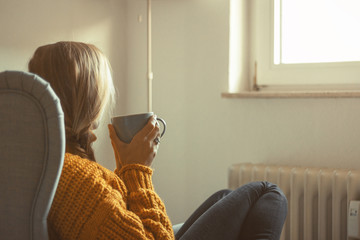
(295,44)
(316,31)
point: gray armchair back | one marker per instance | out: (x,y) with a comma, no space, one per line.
(32,146)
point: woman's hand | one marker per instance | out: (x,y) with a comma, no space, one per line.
(141,150)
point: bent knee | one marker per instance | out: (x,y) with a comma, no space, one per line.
(262,188)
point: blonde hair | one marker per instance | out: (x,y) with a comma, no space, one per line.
(80,75)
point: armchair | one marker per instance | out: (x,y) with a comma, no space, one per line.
(32,147)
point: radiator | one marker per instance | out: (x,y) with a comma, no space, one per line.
(318,199)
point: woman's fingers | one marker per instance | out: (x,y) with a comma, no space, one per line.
(154,135)
(114,138)
(143,133)
(112,132)
(116,144)
(151,133)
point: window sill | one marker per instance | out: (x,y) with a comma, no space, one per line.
(292,94)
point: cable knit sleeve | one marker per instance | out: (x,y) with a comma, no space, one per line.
(94,203)
(146,217)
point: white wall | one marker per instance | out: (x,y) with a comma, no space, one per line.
(205,132)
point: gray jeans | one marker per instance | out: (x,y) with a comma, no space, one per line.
(256,210)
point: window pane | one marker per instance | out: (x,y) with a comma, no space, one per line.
(314,31)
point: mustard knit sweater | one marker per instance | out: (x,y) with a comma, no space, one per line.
(92,202)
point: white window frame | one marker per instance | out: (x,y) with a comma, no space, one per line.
(263,73)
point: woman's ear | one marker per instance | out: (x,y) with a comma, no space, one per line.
(94,125)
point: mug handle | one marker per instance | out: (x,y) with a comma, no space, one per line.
(164,125)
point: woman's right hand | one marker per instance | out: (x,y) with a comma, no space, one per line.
(141,150)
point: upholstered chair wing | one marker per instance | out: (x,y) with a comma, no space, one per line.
(32,146)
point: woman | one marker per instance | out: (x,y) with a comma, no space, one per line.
(92,202)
